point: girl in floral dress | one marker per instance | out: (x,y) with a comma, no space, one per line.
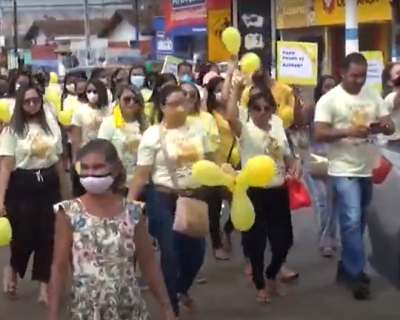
(101,234)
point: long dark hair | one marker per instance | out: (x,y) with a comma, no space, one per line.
(101,89)
(165,92)
(113,82)
(318,89)
(211,94)
(160,81)
(386,89)
(141,117)
(64,93)
(20,118)
(106,148)
(13,78)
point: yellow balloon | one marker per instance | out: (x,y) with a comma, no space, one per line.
(53,77)
(250,63)
(287,115)
(65,116)
(5,115)
(232,40)
(5,232)
(242,210)
(258,172)
(209,174)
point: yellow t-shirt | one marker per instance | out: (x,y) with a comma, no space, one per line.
(350,157)
(185,146)
(227,139)
(209,125)
(36,149)
(126,140)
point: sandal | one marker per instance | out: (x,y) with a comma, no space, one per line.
(221,255)
(187,302)
(262,297)
(9,285)
(43,294)
(276,288)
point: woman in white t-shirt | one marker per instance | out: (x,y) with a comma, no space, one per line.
(166,154)
(125,127)
(264,134)
(85,124)
(30,184)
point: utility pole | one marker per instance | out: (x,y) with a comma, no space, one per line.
(395,5)
(87,32)
(15,27)
(136,12)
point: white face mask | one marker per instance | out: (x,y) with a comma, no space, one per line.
(97,185)
(92,97)
(70,88)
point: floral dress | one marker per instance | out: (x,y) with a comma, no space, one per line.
(104,286)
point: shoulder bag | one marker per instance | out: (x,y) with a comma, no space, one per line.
(191,215)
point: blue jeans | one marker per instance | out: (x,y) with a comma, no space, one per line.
(321,196)
(351,196)
(181,256)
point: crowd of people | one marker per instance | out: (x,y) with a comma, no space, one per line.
(129,149)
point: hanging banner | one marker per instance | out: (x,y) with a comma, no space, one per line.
(297,63)
(375,68)
(255,27)
(184,17)
(217,22)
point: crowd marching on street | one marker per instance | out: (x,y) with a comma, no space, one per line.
(99,173)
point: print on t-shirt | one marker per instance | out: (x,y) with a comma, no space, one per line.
(40,146)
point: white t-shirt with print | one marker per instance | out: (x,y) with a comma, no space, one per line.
(89,120)
(37,149)
(126,140)
(395,115)
(185,146)
(350,157)
(255,141)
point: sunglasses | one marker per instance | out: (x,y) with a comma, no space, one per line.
(30,101)
(91,91)
(128,100)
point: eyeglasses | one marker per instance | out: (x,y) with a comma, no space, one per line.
(91,91)
(30,101)
(131,99)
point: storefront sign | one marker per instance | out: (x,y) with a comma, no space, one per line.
(164,45)
(332,12)
(295,14)
(375,68)
(297,63)
(185,13)
(217,22)
(255,28)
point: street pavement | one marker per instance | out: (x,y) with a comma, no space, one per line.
(228,296)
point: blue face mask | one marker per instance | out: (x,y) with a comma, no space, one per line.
(186,78)
(137,81)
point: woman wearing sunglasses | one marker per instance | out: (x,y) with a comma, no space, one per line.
(265,134)
(30,184)
(85,124)
(125,127)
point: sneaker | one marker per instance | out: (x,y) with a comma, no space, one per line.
(200,279)
(359,287)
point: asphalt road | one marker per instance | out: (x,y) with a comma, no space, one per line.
(228,296)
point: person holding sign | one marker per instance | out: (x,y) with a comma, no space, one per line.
(344,119)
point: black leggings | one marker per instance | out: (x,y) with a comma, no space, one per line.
(273,222)
(214,201)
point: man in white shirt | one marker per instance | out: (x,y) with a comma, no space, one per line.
(344,119)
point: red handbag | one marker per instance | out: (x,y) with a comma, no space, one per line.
(298,195)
